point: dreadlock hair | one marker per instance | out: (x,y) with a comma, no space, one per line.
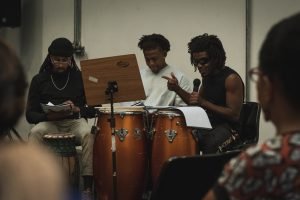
(212,45)
(279,57)
(153,41)
(47,65)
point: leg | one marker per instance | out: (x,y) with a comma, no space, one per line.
(210,140)
(82,131)
(39,130)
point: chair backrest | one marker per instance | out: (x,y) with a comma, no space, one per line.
(190,177)
(250,117)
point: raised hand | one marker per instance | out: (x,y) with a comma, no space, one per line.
(172,82)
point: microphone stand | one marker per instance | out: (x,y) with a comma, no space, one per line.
(111,89)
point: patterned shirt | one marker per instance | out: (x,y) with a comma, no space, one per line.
(269,171)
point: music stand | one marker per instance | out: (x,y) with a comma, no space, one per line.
(123,69)
(117,77)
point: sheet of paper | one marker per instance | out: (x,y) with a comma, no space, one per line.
(195,117)
(56,108)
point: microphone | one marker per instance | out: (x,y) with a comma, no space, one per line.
(196,83)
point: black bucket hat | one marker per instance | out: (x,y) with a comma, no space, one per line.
(61,47)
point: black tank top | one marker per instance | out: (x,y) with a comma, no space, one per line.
(215,92)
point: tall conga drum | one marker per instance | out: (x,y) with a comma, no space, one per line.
(171,137)
(63,144)
(120,159)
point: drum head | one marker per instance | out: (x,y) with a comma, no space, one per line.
(61,143)
(122,109)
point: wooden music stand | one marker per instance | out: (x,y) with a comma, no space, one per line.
(123,69)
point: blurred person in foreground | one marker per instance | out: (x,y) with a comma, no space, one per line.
(272,169)
(26,172)
(30,172)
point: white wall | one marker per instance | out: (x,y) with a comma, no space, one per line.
(113,27)
(264,14)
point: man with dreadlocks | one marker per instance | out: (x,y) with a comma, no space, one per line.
(59,81)
(155,48)
(221,93)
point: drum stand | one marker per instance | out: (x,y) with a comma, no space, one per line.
(111,89)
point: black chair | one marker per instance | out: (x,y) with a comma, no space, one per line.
(250,117)
(190,177)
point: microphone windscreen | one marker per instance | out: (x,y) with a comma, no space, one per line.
(196,83)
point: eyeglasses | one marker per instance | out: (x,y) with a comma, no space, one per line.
(202,61)
(63,60)
(254,74)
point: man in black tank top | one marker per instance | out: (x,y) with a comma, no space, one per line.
(221,93)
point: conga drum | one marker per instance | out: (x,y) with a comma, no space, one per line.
(63,144)
(120,159)
(171,137)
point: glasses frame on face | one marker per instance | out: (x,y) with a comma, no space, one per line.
(201,62)
(58,60)
(254,74)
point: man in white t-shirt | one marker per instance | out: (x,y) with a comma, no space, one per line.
(155,48)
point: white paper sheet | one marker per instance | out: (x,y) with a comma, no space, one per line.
(56,108)
(195,117)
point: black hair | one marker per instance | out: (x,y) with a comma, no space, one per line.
(212,45)
(59,47)
(279,56)
(153,41)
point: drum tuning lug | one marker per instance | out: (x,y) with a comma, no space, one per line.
(178,123)
(171,134)
(137,133)
(170,116)
(121,134)
(122,115)
(151,133)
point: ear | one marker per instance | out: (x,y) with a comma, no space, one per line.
(267,88)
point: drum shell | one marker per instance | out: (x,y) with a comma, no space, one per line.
(130,156)
(63,145)
(184,142)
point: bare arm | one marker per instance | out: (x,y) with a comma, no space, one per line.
(209,196)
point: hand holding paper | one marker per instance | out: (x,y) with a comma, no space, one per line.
(56,108)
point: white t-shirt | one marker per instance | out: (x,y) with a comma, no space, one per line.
(156,89)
